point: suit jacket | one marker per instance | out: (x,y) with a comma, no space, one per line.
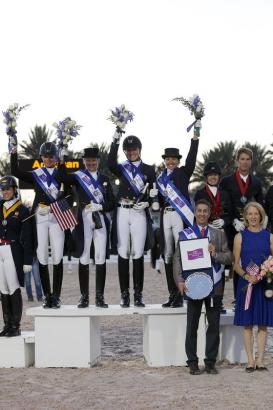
(27,176)
(253,193)
(20,233)
(227,211)
(223,255)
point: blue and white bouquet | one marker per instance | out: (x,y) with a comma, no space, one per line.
(66,130)
(120,117)
(196,107)
(10,119)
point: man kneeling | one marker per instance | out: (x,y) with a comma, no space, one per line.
(220,255)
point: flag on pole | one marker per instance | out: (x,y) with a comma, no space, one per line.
(63,214)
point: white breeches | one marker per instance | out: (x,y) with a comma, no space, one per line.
(172,225)
(8,275)
(99,236)
(49,231)
(131,230)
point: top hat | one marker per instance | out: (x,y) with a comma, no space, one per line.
(171,152)
(91,152)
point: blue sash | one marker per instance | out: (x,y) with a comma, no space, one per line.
(174,197)
(92,187)
(133,175)
(47,182)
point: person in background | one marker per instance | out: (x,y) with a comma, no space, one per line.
(242,187)
(37,282)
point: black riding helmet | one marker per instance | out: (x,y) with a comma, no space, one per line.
(211,168)
(8,182)
(48,148)
(131,142)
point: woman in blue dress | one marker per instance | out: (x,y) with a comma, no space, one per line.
(254,244)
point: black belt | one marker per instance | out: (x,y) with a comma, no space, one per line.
(125,206)
(169,209)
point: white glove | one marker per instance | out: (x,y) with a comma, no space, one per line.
(93,207)
(198,124)
(140,206)
(63,153)
(218,223)
(27,268)
(43,210)
(265,222)
(117,136)
(238,225)
(153,192)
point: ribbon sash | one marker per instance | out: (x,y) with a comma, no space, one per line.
(243,188)
(47,182)
(91,186)
(216,203)
(174,197)
(194,233)
(7,212)
(134,176)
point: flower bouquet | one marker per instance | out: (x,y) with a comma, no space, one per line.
(10,119)
(196,107)
(66,130)
(267,270)
(120,117)
(252,270)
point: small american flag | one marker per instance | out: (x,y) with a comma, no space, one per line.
(63,213)
(253,270)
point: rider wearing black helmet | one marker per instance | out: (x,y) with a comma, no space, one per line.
(48,189)
(131,224)
(16,253)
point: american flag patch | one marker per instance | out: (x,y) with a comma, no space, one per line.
(63,214)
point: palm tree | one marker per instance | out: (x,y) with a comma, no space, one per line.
(38,135)
(262,163)
(4,165)
(224,154)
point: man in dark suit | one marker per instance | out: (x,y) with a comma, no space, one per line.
(220,254)
(221,216)
(131,221)
(242,187)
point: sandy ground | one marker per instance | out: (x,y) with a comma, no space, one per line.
(122,379)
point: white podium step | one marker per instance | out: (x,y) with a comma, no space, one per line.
(17,351)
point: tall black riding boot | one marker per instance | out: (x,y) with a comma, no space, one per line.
(16,313)
(138,277)
(6,309)
(123,274)
(100,284)
(57,285)
(84,285)
(45,280)
(175,298)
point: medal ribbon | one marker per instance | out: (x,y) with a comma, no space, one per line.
(7,212)
(216,203)
(243,188)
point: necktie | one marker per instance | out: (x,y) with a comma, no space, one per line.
(203,232)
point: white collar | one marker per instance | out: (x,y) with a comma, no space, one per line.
(136,163)
(244,177)
(50,170)
(8,204)
(213,189)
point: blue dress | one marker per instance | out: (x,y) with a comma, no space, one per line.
(255,248)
